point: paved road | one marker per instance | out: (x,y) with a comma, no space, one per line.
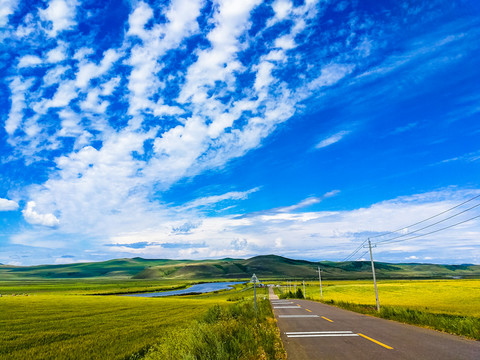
(312,330)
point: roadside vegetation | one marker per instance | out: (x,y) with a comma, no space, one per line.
(292,295)
(235,332)
(451,306)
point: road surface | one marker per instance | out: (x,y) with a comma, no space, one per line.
(312,330)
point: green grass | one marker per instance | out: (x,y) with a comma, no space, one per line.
(447,305)
(230,333)
(61,325)
(88,286)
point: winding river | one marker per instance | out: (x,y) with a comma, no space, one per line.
(194,289)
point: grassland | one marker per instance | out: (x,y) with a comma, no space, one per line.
(448,305)
(61,322)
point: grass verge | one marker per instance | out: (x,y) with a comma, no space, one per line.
(233,332)
(468,326)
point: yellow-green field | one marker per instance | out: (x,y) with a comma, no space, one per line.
(61,325)
(455,297)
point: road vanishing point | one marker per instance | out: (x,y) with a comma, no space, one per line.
(312,330)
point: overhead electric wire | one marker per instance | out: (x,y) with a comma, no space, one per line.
(355,251)
(426,227)
(431,217)
(419,222)
(432,232)
(361,256)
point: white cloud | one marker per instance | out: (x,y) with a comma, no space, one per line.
(54,75)
(61,14)
(36,218)
(29,61)
(331,74)
(282,8)
(325,234)
(211,200)
(285,42)
(142,82)
(88,71)
(8,205)
(18,89)
(332,139)
(7,8)
(57,54)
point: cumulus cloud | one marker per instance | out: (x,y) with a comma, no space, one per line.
(36,218)
(29,61)
(8,205)
(7,7)
(60,14)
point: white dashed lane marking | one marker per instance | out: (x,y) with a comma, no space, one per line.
(304,334)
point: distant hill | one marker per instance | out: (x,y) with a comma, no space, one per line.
(265,266)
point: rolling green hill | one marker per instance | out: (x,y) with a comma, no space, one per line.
(266,267)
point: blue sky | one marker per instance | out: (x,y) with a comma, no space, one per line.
(207,129)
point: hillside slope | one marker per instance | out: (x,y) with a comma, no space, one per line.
(266,267)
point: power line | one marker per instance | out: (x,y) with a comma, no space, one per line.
(355,251)
(426,227)
(419,222)
(361,256)
(431,232)
(431,217)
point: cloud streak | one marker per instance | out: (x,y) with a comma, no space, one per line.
(332,139)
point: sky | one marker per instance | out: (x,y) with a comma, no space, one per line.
(197,129)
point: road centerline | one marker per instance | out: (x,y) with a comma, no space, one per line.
(376,342)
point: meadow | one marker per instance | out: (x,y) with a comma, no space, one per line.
(447,305)
(65,321)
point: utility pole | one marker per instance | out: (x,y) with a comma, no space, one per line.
(373,272)
(320,281)
(304,290)
(254,280)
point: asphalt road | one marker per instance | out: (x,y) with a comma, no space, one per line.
(312,330)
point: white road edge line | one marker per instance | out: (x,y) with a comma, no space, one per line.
(298,316)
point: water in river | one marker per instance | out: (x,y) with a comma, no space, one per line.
(194,289)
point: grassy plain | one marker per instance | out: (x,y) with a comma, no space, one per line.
(448,305)
(64,321)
